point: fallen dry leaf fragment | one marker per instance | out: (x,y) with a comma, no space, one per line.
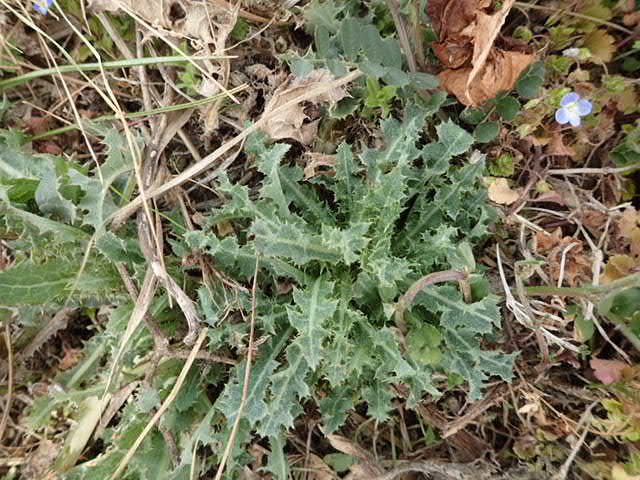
(607,371)
(557,146)
(620,266)
(500,192)
(487,29)
(477,70)
(601,45)
(203,21)
(316,162)
(290,122)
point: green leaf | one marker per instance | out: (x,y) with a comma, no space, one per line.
(290,241)
(44,225)
(424,80)
(278,463)
(350,37)
(324,13)
(77,438)
(464,357)
(378,398)
(335,408)
(287,386)
(479,317)
(531,80)
(350,241)
(118,249)
(268,163)
(313,310)
(452,141)
(349,187)
(49,199)
(487,131)
(31,284)
(255,408)
(97,201)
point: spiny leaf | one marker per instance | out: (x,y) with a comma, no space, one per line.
(287,386)
(97,201)
(268,162)
(349,187)
(478,317)
(378,398)
(334,409)
(464,357)
(313,310)
(275,239)
(261,373)
(31,284)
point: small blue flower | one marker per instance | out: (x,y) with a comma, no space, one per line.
(572,108)
(43,9)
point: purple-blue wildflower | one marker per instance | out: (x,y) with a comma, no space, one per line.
(43,9)
(572,107)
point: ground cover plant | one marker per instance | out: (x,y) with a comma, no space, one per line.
(319,239)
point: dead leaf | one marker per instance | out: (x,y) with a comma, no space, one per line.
(627,100)
(477,70)
(619,473)
(486,30)
(318,160)
(71,357)
(620,266)
(564,256)
(601,45)
(500,192)
(607,371)
(631,19)
(499,74)
(205,21)
(39,464)
(318,469)
(557,146)
(290,122)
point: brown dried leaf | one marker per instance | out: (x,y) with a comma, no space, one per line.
(601,45)
(607,371)
(499,74)
(500,192)
(577,264)
(631,19)
(316,161)
(486,30)
(207,22)
(620,266)
(557,146)
(477,71)
(290,122)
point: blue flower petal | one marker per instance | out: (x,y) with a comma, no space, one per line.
(574,119)
(43,9)
(569,98)
(584,107)
(562,115)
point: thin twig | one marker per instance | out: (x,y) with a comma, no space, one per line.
(165,405)
(593,171)
(7,406)
(573,14)
(402,35)
(564,470)
(247,378)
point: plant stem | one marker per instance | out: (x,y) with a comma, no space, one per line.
(629,281)
(533,6)
(84,67)
(146,113)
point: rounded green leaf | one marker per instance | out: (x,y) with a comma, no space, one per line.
(508,108)
(487,131)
